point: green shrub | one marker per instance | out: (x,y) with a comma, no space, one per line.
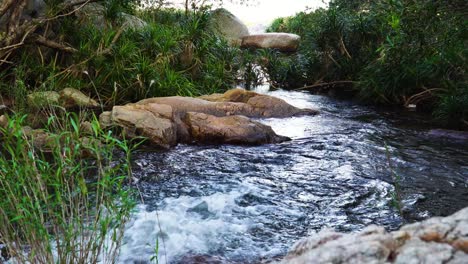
(176,54)
(394,52)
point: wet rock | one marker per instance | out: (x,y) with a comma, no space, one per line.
(202,210)
(233,102)
(151,121)
(70,97)
(228,26)
(282,41)
(201,259)
(165,121)
(43,99)
(436,240)
(230,129)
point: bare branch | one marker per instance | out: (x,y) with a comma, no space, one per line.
(54,45)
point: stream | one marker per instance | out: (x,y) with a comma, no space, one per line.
(249,204)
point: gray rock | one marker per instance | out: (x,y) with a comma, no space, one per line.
(436,240)
(281,41)
(228,26)
(94,13)
(165,121)
(201,209)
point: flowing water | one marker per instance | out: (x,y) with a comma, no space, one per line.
(248,204)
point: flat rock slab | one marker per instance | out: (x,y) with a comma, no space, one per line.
(229,129)
(281,41)
(436,240)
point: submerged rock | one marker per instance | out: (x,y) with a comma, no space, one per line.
(201,209)
(436,240)
(280,41)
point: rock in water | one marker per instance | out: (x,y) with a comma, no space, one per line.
(229,26)
(149,121)
(201,209)
(229,129)
(233,102)
(165,121)
(436,240)
(281,41)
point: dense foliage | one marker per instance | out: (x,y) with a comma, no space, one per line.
(391,51)
(175,54)
(58,206)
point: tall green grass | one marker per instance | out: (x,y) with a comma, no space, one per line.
(58,206)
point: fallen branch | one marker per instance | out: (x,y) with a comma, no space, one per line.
(324,84)
(54,45)
(416,98)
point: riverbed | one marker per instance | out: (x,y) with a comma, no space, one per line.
(346,168)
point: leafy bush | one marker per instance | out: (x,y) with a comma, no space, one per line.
(396,52)
(176,54)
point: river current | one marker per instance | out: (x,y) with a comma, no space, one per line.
(344,169)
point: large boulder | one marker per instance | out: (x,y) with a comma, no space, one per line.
(229,26)
(261,105)
(229,129)
(165,121)
(151,121)
(436,240)
(281,41)
(94,14)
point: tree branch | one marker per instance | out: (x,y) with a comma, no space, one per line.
(54,45)
(324,84)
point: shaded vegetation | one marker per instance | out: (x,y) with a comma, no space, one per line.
(57,206)
(175,54)
(389,51)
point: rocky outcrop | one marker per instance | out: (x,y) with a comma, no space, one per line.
(228,26)
(165,121)
(281,41)
(151,121)
(436,240)
(229,129)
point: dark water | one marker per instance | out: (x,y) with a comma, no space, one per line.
(249,204)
